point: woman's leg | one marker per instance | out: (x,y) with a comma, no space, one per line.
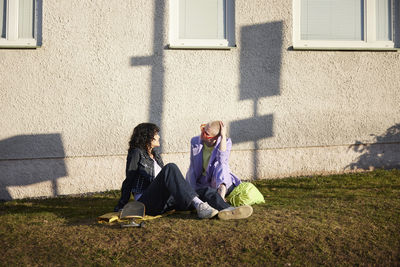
(169,182)
(211,196)
(226,211)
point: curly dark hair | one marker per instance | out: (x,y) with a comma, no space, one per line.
(142,136)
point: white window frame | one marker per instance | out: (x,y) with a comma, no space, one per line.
(176,42)
(370,42)
(12,40)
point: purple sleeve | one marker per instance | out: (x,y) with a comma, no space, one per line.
(223,156)
(190,177)
(222,171)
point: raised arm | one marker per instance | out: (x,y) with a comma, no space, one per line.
(222,145)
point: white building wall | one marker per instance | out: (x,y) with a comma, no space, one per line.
(68,108)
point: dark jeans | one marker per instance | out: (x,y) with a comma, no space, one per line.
(169,190)
(211,196)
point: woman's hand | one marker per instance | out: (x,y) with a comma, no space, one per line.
(222,191)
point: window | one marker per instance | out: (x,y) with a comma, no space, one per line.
(17,23)
(202,24)
(343,24)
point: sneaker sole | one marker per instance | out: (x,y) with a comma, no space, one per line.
(241,212)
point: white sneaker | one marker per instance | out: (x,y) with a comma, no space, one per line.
(233,213)
(205,211)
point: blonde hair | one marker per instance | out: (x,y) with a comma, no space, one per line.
(214,127)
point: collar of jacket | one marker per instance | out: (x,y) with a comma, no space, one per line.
(157,157)
(216,144)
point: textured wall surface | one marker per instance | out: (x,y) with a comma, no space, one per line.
(68,108)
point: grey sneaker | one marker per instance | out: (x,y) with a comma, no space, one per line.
(233,213)
(205,211)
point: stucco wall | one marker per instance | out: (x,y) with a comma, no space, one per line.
(68,108)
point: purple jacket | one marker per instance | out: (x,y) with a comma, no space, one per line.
(218,170)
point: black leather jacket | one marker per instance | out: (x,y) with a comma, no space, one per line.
(139,174)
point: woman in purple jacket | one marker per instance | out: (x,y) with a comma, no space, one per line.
(209,173)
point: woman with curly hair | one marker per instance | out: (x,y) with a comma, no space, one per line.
(160,188)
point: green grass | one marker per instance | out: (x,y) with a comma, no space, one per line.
(338,220)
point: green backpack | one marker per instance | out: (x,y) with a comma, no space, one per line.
(245,194)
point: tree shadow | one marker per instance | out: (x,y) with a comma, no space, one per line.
(383,153)
(260,67)
(31,159)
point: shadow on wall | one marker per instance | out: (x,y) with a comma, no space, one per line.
(384,153)
(156,62)
(39,21)
(260,67)
(31,159)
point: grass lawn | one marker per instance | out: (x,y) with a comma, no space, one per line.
(338,220)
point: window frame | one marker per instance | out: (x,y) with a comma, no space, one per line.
(369,42)
(12,40)
(180,43)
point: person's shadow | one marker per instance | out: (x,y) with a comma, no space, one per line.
(30,159)
(383,153)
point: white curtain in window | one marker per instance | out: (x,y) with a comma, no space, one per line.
(3,8)
(383,20)
(332,20)
(201,19)
(25,19)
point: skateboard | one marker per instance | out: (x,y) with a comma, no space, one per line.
(131,211)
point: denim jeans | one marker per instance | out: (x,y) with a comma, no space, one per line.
(169,190)
(211,196)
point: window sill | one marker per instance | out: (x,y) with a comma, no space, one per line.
(214,44)
(344,45)
(199,47)
(28,43)
(18,47)
(361,49)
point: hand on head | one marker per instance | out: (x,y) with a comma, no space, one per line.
(211,131)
